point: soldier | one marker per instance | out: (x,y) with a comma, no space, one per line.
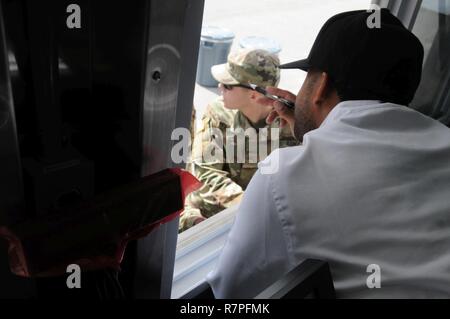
(238,108)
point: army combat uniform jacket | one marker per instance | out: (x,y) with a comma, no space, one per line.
(223,182)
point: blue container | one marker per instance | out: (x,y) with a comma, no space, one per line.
(263,43)
(215,45)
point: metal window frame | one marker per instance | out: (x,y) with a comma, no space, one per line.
(186,265)
(310,279)
(198,250)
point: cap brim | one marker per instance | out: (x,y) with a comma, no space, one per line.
(301,64)
(221,74)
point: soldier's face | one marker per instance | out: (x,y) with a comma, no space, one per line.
(236,98)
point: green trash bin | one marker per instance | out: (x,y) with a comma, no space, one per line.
(215,45)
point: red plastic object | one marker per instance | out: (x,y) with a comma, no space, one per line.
(95,234)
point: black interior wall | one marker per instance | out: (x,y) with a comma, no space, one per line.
(79,106)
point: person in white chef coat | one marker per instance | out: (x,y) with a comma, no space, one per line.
(369,185)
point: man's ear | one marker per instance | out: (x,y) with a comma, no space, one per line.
(324,97)
(321,89)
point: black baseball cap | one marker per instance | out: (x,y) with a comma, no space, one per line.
(382,63)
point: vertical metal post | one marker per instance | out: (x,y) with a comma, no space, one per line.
(174,35)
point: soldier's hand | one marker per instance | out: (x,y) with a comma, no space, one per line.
(286,115)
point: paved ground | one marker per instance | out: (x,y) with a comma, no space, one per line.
(293,23)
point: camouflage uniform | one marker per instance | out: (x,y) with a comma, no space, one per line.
(223,182)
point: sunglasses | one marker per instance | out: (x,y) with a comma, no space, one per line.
(230,87)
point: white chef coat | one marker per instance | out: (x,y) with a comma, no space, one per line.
(370,186)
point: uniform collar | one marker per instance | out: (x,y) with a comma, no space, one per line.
(241,118)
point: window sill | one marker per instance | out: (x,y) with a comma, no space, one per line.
(198,249)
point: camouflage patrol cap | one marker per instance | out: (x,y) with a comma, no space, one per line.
(249,66)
